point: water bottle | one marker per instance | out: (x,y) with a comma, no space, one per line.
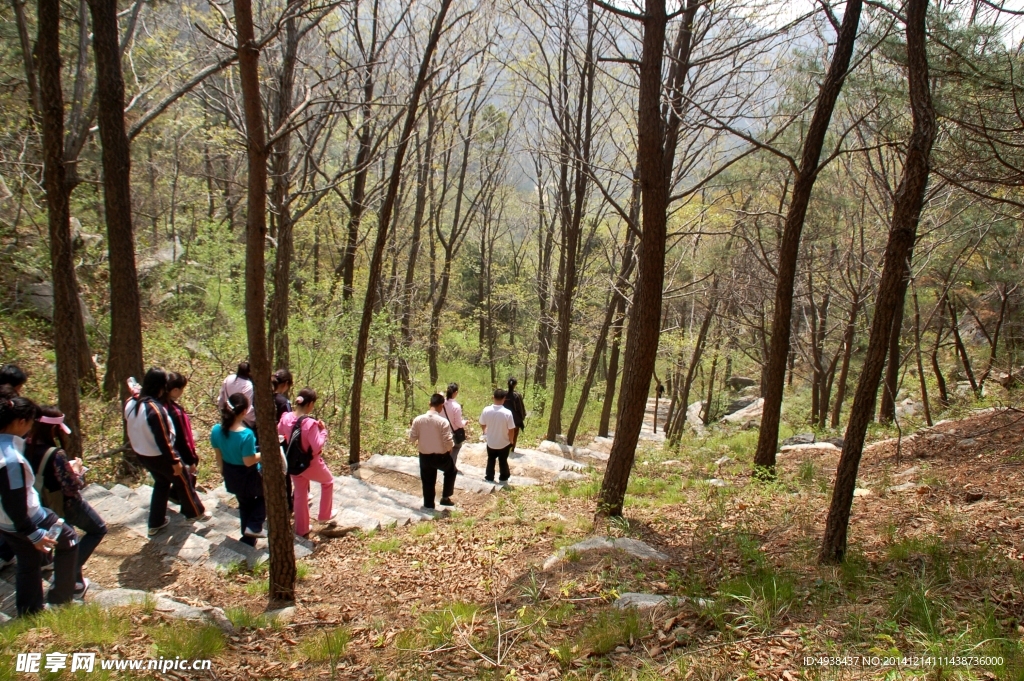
(55,529)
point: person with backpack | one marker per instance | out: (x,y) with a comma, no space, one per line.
(514,403)
(304,443)
(59,482)
(235,446)
(433,437)
(239,382)
(453,412)
(28,527)
(184,441)
(151,434)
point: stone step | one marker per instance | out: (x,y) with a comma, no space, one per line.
(470,480)
(523,461)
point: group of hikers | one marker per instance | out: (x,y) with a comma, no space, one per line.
(40,486)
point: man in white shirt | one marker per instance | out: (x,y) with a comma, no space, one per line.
(433,437)
(499,428)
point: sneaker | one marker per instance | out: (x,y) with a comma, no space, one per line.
(6,563)
(427,508)
(153,531)
(261,534)
(330,518)
(488,479)
(446,501)
(82,587)
(502,480)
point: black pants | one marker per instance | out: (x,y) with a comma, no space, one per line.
(246,483)
(29,580)
(501,455)
(164,478)
(79,513)
(430,464)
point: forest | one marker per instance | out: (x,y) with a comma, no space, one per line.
(654,214)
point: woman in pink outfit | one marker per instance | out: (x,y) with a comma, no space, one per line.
(314,435)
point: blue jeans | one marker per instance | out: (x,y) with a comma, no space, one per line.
(79,513)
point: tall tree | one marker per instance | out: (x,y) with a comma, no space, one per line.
(67,313)
(282,548)
(124,357)
(384,221)
(774,374)
(906,214)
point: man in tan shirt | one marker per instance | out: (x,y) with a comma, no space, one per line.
(433,437)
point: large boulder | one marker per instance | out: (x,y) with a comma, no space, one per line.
(693,417)
(740,382)
(740,403)
(38,297)
(801,439)
(749,416)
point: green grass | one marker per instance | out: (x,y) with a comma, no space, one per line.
(438,626)
(191,641)
(611,628)
(765,596)
(387,545)
(259,587)
(243,618)
(421,529)
(327,646)
(85,625)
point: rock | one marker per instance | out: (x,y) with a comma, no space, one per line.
(861,492)
(570,475)
(194,549)
(740,403)
(621,649)
(748,416)
(910,472)
(836,441)
(639,601)
(38,296)
(282,615)
(905,487)
(966,442)
(722,461)
(973,497)
(802,439)
(815,447)
(217,616)
(560,439)
(633,547)
(337,531)
(906,408)
(716,482)
(556,448)
(740,382)
(602,444)
(670,462)
(693,417)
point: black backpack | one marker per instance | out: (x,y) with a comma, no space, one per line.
(298,458)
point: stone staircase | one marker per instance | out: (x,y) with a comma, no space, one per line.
(214,543)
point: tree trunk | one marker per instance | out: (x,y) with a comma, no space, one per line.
(280,200)
(67,313)
(905,216)
(282,549)
(789,248)
(545,241)
(645,316)
(388,206)
(920,362)
(691,371)
(613,370)
(961,349)
(124,358)
(890,386)
(940,380)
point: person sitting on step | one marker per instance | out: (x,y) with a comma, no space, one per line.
(433,437)
(313,435)
(235,446)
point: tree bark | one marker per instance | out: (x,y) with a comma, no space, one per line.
(775,369)
(124,358)
(920,362)
(363,342)
(282,549)
(887,409)
(280,199)
(961,349)
(940,380)
(67,313)
(905,216)
(613,369)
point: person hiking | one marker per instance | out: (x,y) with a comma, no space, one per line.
(184,441)
(151,434)
(12,379)
(453,412)
(59,482)
(433,437)
(282,382)
(25,524)
(235,446)
(514,403)
(312,436)
(239,382)
(499,428)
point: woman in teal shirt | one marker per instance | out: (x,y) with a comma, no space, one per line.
(235,444)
